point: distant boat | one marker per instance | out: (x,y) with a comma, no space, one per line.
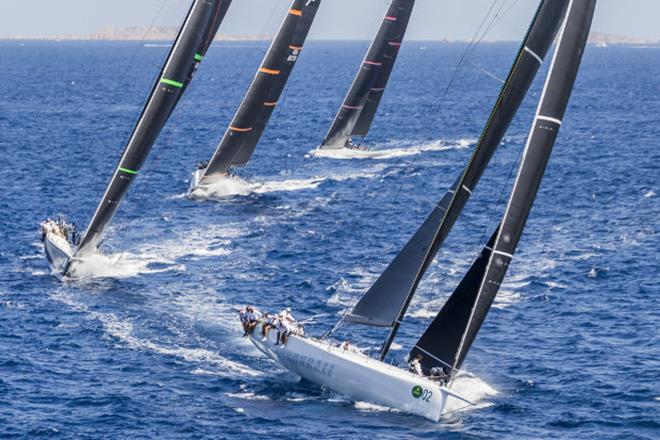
(359,108)
(245,131)
(439,354)
(61,245)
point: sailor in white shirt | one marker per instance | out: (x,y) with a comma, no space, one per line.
(271,322)
(416,365)
(252,318)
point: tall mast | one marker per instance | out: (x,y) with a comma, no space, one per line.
(386,302)
(245,131)
(357,112)
(190,46)
(450,336)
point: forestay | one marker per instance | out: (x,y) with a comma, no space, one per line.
(441,345)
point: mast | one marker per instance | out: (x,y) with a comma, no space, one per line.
(245,131)
(357,112)
(387,301)
(188,50)
(468,306)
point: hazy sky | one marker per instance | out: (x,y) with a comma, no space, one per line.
(337,19)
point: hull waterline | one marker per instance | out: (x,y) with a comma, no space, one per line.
(59,253)
(358,376)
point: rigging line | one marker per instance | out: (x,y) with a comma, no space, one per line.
(463,56)
(470,51)
(466,54)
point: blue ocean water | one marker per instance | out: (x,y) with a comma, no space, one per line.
(148,345)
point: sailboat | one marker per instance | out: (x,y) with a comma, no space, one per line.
(441,350)
(359,108)
(243,134)
(61,244)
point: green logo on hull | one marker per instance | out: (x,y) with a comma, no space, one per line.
(417,392)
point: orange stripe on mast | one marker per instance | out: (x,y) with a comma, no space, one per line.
(295,12)
(269,71)
(240,130)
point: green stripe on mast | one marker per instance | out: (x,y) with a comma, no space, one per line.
(127,171)
(171,82)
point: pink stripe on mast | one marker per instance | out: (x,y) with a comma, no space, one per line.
(394,43)
(352,107)
(390,18)
(373,63)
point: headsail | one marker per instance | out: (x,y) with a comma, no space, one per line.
(190,46)
(356,114)
(398,283)
(466,309)
(249,123)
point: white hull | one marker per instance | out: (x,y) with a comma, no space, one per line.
(358,376)
(215,186)
(58,253)
(195,182)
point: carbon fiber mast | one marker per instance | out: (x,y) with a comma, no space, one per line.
(359,108)
(245,131)
(448,339)
(386,302)
(190,46)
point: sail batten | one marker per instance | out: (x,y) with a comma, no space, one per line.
(240,140)
(468,306)
(190,46)
(398,283)
(360,106)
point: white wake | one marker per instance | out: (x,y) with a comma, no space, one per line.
(236,187)
(162,256)
(389,153)
(123,331)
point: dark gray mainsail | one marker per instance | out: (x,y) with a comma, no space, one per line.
(245,131)
(190,46)
(357,112)
(387,301)
(449,337)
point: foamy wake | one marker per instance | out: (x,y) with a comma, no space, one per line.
(388,153)
(157,257)
(123,331)
(471,388)
(236,187)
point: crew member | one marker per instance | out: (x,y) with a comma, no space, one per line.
(253,316)
(271,321)
(416,365)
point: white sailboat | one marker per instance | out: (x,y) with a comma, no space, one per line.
(61,246)
(249,123)
(439,354)
(363,378)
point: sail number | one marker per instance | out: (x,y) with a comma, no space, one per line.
(422,393)
(294,56)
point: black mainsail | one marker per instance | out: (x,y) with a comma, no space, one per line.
(245,131)
(387,301)
(357,112)
(449,337)
(190,46)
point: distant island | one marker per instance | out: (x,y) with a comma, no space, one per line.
(169,33)
(134,34)
(607,39)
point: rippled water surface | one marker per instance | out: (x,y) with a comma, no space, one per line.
(147,345)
